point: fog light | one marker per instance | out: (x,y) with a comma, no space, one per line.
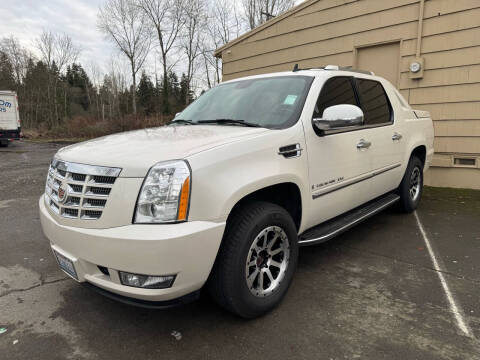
(146,281)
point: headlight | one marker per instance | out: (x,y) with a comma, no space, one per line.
(165,193)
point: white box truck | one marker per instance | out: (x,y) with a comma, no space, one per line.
(9,117)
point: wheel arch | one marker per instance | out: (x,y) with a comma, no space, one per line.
(420,151)
(285,194)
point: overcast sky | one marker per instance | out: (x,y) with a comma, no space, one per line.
(26,19)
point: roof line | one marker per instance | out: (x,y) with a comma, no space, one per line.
(266,24)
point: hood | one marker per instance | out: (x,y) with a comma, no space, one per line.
(136,151)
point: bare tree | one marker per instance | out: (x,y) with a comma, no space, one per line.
(223,25)
(166,17)
(192,36)
(65,51)
(57,51)
(123,22)
(259,11)
(46,45)
(94,72)
(17,55)
(117,85)
(226,20)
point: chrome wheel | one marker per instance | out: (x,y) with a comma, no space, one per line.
(415,184)
(267,261)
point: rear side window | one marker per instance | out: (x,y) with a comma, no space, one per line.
(336,91)
(375,104)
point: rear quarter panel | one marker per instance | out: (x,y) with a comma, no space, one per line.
(415,126)
(420,131)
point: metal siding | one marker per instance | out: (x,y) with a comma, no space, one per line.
(466,128)
(262,55)
(385,57)
(328,32)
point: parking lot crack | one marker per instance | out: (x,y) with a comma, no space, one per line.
(13,291)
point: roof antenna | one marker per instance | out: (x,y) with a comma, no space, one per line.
(295,68)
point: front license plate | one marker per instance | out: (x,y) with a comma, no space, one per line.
(66,264)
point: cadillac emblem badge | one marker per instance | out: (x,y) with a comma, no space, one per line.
(62,192)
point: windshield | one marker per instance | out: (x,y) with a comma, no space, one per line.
(273,102)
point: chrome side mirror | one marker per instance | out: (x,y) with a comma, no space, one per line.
(339,116)
(177,114)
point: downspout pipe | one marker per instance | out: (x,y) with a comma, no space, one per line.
(420,29)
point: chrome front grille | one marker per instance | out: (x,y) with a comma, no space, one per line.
(78,191)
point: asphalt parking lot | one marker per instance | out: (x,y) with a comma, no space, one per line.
(372,293)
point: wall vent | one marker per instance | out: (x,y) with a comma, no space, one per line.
(464,162)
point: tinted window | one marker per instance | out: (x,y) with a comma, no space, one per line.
(375,105)
(336,91)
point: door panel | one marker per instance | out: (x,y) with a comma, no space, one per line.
(386,149)
(338,170)
(386,159)
(338,173)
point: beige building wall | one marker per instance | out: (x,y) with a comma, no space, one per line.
(443,34)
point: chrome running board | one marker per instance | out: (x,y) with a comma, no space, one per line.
(338,225)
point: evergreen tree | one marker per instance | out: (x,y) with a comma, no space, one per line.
(49,99)
(79,86)
(186,96)
(146,94)
(174,86)
(34,105)
(7,77)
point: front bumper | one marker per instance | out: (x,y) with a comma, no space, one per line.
(187,250)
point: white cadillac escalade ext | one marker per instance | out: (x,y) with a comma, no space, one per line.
(224,195)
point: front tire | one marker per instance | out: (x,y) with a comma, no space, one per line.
(257,260)
(411,187)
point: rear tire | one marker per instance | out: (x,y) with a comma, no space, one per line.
(260,241)
(411,187)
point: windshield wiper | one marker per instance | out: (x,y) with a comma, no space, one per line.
(229,121)
(182,121)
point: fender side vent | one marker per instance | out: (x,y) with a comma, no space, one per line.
(290,151)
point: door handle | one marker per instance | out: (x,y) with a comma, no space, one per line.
(363,144)
(396,136)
